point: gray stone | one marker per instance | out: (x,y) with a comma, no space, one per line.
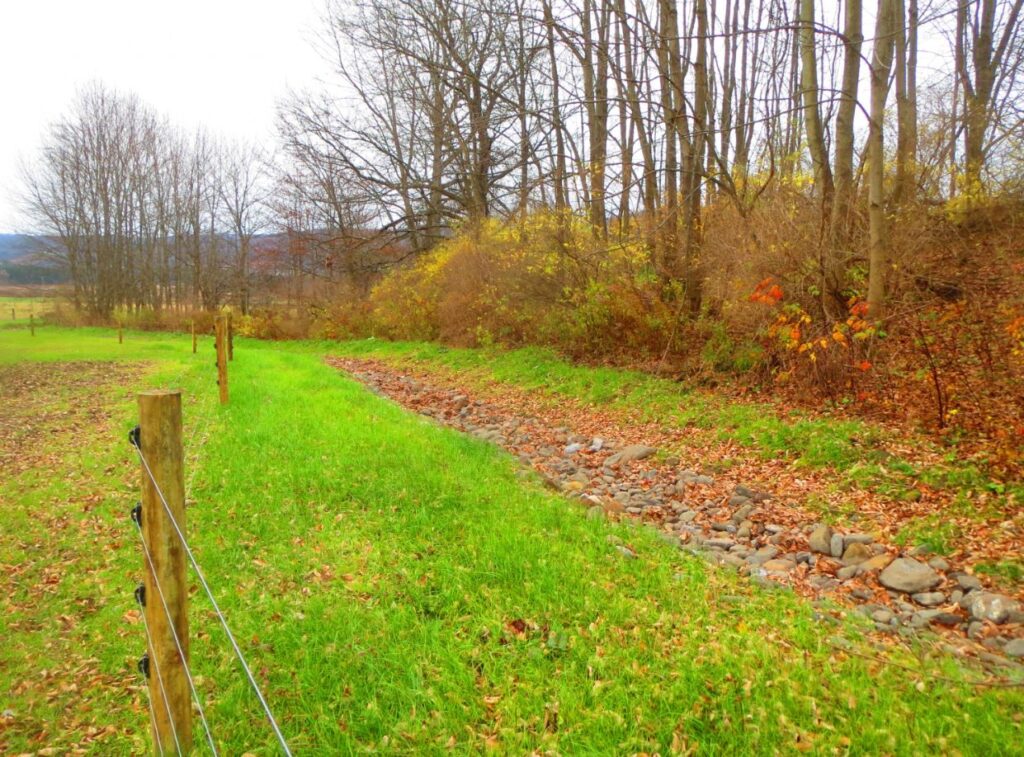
(572,449)
(845,574)
(878,562)
(626,552)
(821,539)
(596,512)
(835,545)
(596,444)
(929,598)
(949,619)
(689,476)
(924,617)
(753,494)
(939,563)
(630,453)
(967,582)
(856,553)
(741,514)
(858,539)
(987,605)
(882,616)
(720,543)
(909,576)
(757,559)
(734,560)
(975,629)
(1014,648)
(779,565)
(736,500)
(687,516)
(580,477)
(823,583)
(743,531)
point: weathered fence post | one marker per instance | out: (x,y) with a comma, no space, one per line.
(231,338)
(32,324)
(222,357)
(193,336)
(120,334)
(159,441)
(13,318)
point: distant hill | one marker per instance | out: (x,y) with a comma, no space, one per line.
(22,260)
(24,247)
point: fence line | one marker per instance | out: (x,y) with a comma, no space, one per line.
(177,641)
(154,661)
(179,534)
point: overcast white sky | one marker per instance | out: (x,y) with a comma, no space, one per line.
(219,63)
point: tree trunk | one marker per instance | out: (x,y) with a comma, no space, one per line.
(812,113)
(881,65)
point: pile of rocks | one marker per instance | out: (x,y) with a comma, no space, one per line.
(742,527)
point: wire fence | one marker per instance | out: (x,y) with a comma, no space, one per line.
(150,664)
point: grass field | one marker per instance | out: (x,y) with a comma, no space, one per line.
(21,308)
(398,587)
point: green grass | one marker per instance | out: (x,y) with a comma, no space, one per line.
(398,588)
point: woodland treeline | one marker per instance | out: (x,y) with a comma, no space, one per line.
(640,116)
(147,215)
(637,116)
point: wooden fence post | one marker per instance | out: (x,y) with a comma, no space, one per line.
(13,318)
(120,334)
(193,336)
(222,357)
(32,324)
(160,444)
(231,338)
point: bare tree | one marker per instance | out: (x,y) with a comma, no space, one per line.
(242,186)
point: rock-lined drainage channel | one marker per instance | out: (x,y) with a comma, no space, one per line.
(731,524)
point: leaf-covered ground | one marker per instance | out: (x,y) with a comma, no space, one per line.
(399,587)
(861,476)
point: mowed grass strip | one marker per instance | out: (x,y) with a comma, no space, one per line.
(398,587)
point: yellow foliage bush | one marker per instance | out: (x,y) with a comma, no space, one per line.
(543,279)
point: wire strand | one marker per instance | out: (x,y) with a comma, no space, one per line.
(177,643)
(216,607)
(152,718)
(160,681)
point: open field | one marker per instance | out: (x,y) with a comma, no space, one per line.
(22,307)
(401,587)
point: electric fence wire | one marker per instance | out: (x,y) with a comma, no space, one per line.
(152,712)
(163,692)
(216,608)
(177,643)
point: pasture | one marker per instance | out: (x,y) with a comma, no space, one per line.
(400,587)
